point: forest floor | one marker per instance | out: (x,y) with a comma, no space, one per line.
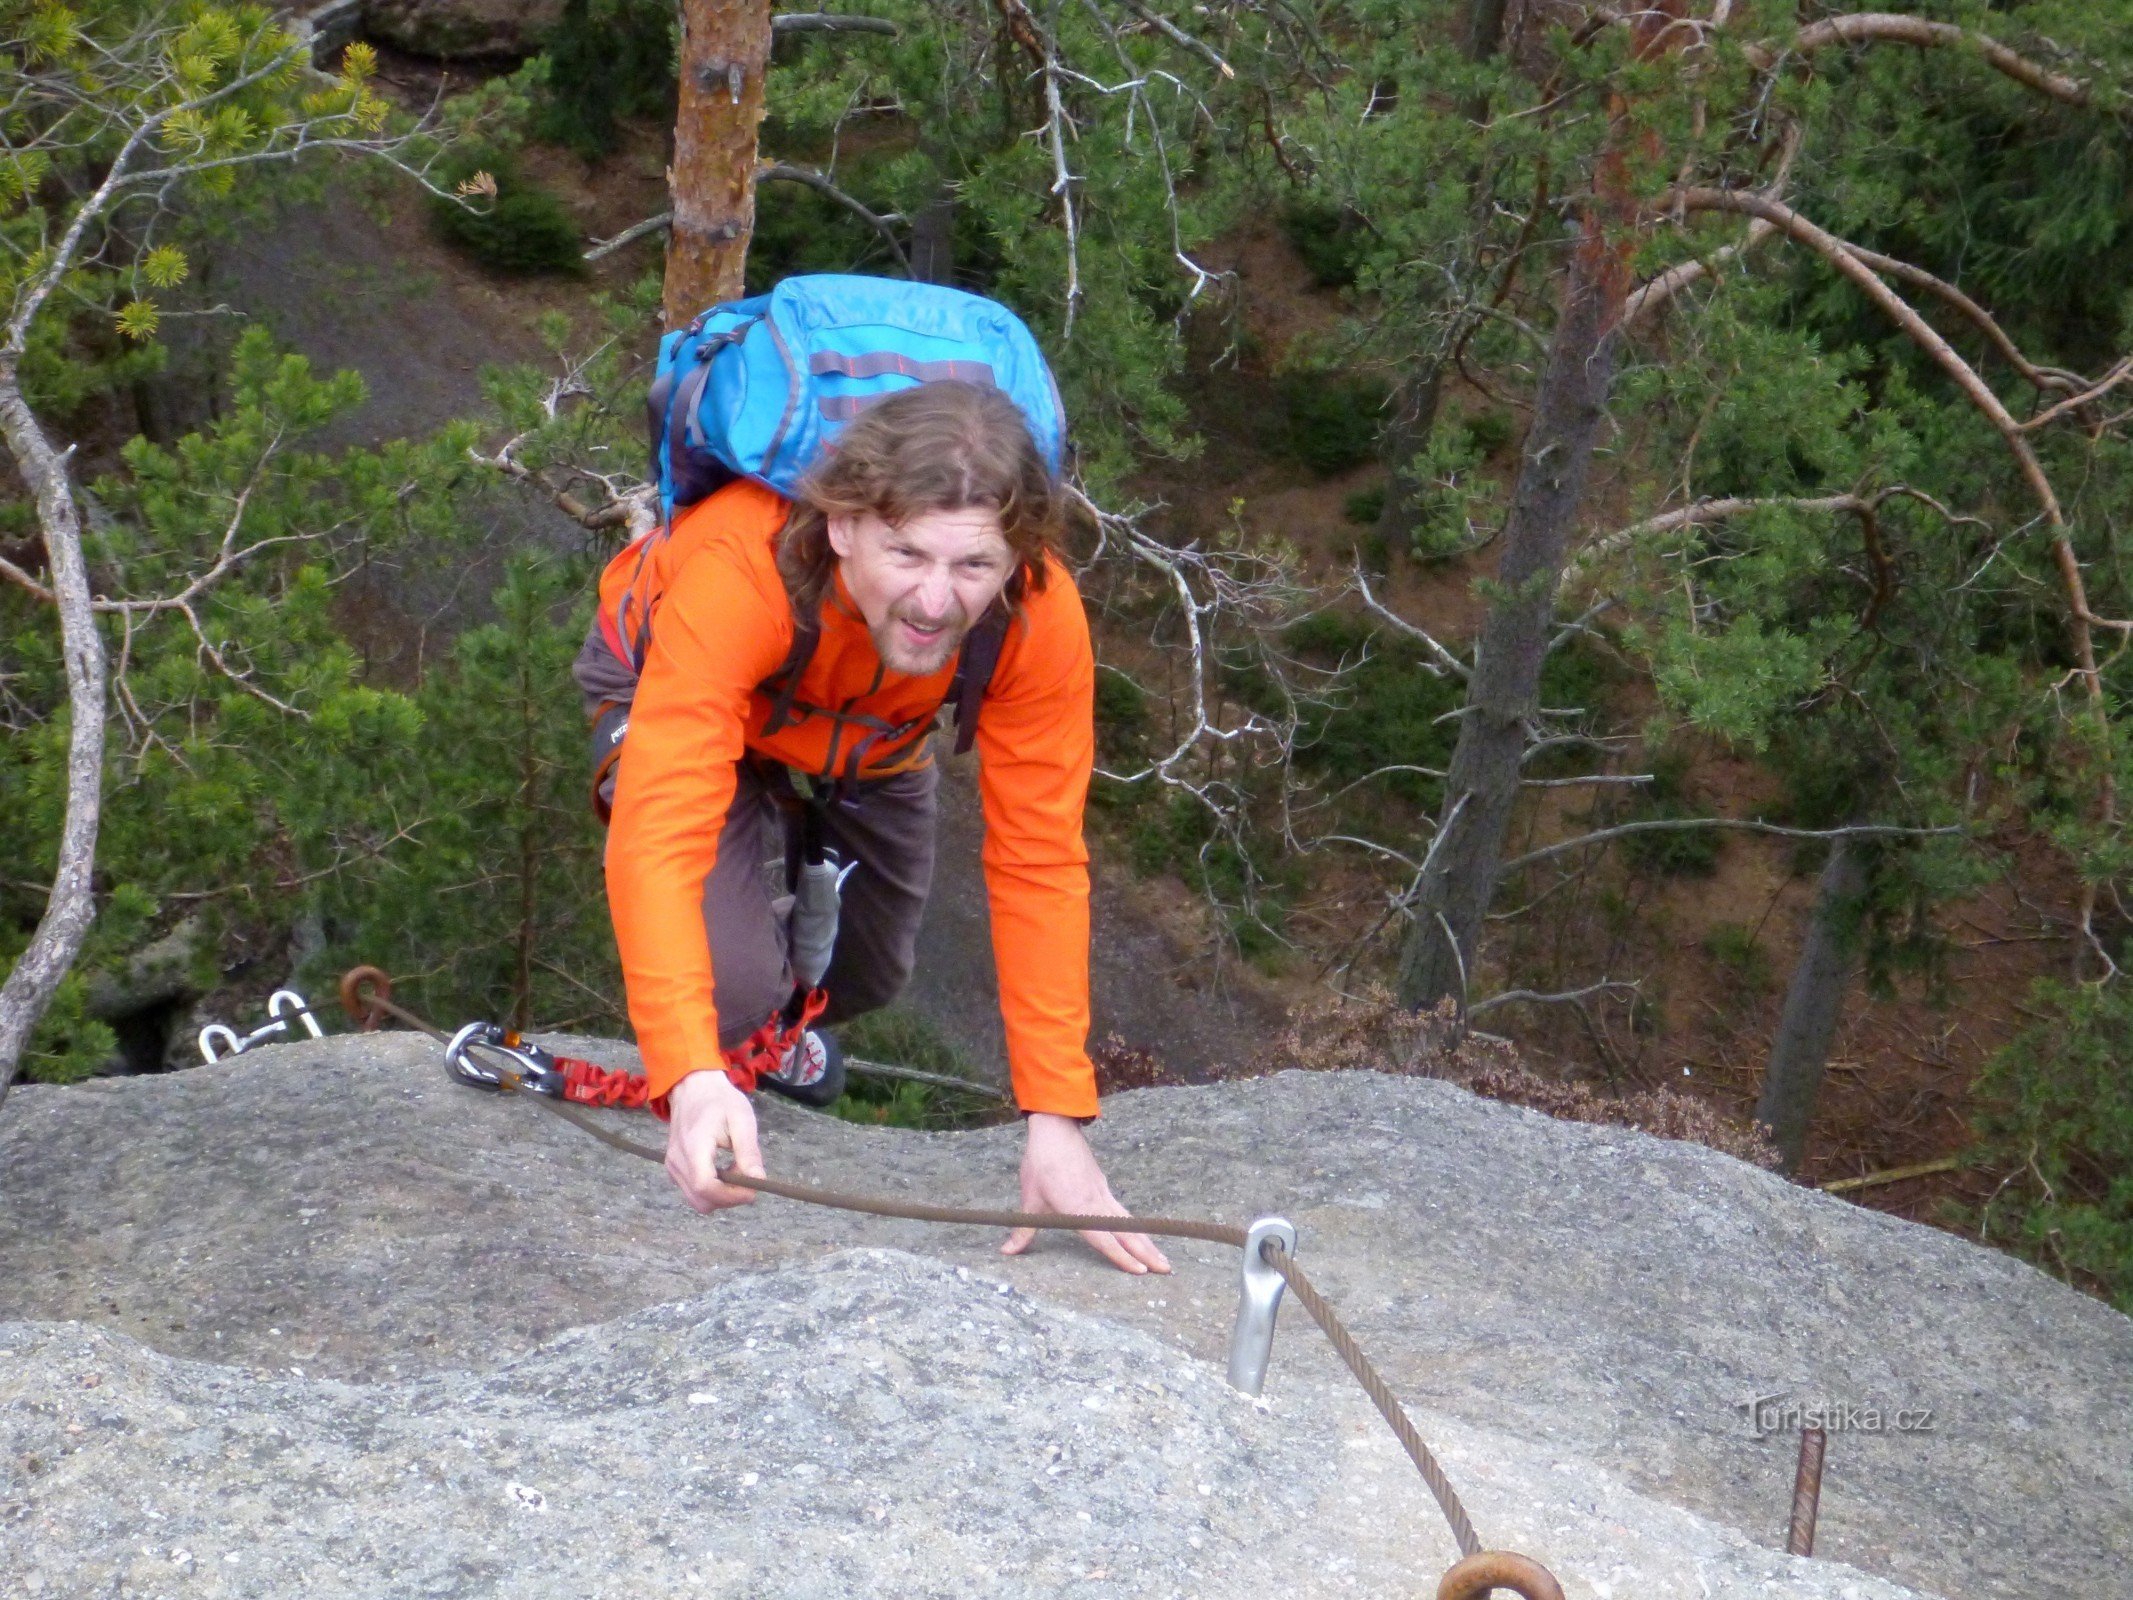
(377,291)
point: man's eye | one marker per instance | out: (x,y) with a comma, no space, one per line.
(978,566)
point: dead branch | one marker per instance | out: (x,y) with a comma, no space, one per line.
(1888,27)
(796,22)
(630,235)
(1561,997)
(1179,37)
(882,223)
(1846,259)
(1863,830)
(1443,660)
(1648,298)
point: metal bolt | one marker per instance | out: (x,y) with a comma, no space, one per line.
(1806,1494)
(1251,1345)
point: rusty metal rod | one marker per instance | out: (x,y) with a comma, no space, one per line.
(1806,1494)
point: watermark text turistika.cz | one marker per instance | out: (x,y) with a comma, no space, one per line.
(1766,1414)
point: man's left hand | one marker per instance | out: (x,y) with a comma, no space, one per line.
(1059,1173)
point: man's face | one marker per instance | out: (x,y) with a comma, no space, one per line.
(921,584)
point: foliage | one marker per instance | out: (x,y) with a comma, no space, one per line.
(2058,1123)
(441,832)
(606,61)
(1388,710)
(496,903)
(514,223)
(899,1036)
(1332,419)
(1671,852)
(1364,507)
(1734,946)
(1327,237)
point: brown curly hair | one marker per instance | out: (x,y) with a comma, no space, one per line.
(939,446)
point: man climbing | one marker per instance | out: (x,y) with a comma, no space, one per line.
(820,635)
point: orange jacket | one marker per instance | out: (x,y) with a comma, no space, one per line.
(724,624)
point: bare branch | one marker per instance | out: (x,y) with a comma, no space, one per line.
(1445,661)
(1062,183)
(1743,825)
(1558,998)
(828,22)
(1647,298)
(630,235)
(1845,258)
(1178,36)
(883,224)
(1888,27)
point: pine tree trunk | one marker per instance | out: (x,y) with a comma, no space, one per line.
(725,51)
(1814,1004)
(1481,789)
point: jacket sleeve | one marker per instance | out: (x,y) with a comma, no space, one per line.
(1036,744)
(718,634)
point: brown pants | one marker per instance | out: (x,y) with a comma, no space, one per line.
(888,831)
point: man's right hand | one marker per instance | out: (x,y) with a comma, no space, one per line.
(710,1115)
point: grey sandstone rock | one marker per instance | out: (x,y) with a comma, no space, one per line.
(337,1308)
(460,28)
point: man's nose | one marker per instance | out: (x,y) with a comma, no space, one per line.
(936,594)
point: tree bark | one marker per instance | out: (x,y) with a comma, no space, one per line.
(1814,1003)
(725,51)
(1482,786)
(71,906)
(1451,901)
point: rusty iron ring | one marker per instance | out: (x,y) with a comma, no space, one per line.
(365,993)
(1473,1578)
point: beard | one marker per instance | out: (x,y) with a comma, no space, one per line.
(900,652)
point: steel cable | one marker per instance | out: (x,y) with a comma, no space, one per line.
(365,1007)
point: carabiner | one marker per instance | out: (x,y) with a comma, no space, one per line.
(301,1009)
(532,1068)
(210,1034)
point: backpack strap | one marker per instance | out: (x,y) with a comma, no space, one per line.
(974,670)
(784,683)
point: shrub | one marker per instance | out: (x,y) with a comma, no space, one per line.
(1331,419)
(1121,715)
(524,229)
(1389,711)
(1490,431)
(1365,506)
(1733,945)
(607,59)
(1670,852)
(2058,1118)
(898,1036)
(1329,237)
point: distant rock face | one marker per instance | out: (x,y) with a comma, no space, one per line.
(354,1331)
(457,28)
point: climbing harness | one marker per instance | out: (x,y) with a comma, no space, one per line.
(282,1005)
(1269,1246)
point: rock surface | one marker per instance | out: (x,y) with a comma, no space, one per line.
(457,29)
(330,1300)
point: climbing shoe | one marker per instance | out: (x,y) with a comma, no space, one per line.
(809,1069)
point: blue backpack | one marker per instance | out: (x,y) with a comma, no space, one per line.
(756,388)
